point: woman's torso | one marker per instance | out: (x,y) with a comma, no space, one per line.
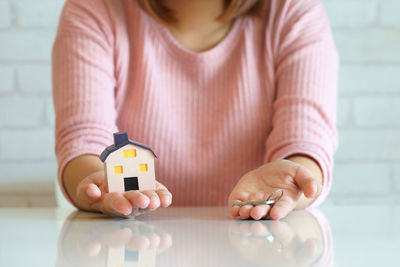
(206,115)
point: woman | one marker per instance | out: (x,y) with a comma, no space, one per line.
(237,98)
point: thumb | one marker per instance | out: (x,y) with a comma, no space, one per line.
(88,191)
(306,182)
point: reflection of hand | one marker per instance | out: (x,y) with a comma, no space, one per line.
(129,238)
(258,184)
(274,242)
(92,195)
(86,242)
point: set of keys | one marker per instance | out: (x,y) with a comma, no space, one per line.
(271,200)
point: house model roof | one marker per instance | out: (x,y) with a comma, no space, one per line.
(121,140)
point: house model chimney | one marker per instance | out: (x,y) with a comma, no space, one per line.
(120,138)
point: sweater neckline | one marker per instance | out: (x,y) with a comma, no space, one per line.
(215,53)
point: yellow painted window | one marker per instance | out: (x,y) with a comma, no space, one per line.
(143,167)
(118,169)
(130,153)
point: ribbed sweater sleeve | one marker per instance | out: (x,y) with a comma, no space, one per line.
(83,83)
(306,66)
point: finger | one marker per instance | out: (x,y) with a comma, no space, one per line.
(307,253)
(283,232)
(239,196)
(160,186)
(165,243)
(138,243)
(259,229)
(135,212)
(154,240)
(117,238)
(88,192)
(245,211)
(93,249)
(137,199)
(282,208)
(259,211)
(165,197)
(234,227)
(244,229)
(235,211)
(154,199)
(116,204)
(306,182)
(90,246)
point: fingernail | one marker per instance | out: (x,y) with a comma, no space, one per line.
(156,202)
(168,200)
(122,207)
(145,202)
(93,191)
(315,189)
(125,212)
(90,193)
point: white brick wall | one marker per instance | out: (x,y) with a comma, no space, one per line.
(50,116)
(368,45)
(26,45)
(381,111)
(27,160)
(45,14)
(5,14)
(7,79)
(367,35)
(344,113)
(32,144)
(374,78)
(390,13)
(34,78)
(348,182)
(21,112)
(352,13)
(396,182)
(369,145)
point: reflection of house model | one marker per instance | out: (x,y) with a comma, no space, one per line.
(128,165)
(121,257)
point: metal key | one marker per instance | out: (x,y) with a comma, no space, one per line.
(268,201)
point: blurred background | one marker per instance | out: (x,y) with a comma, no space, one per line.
(367,34)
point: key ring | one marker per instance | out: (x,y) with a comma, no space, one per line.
(268,201)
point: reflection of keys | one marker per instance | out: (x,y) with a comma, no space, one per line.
(269,201)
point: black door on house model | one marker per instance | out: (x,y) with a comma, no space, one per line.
(131,183)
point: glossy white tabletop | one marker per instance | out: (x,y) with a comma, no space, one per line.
(332,236)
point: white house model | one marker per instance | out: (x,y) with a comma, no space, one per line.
(128,165)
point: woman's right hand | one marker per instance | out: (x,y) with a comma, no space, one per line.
(92,195)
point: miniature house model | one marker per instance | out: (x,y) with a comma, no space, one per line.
(128,165)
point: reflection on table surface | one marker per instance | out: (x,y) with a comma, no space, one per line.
(362,235)
(194,237)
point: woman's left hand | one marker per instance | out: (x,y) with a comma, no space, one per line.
(293,178)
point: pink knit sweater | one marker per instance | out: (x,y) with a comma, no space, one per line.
(267,91)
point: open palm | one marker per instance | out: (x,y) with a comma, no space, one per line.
(258,184)
(92,195)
